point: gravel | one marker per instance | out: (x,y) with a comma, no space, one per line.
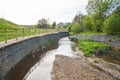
(74,68)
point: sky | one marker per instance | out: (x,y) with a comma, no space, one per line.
(28,12)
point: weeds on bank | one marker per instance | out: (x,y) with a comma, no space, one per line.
(92,48)
(51,42)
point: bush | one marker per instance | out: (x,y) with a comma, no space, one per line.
(75,28)
(112,24)
(91,47)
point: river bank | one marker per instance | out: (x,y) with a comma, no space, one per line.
(66,68)
(82,68)
(113,40)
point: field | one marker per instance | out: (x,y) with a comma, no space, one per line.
(9,30)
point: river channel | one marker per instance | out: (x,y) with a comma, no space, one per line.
(40,68)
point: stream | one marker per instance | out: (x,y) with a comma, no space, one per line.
(42,69)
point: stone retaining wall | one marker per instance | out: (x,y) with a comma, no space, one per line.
(10,55)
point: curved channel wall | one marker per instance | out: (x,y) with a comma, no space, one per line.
(10,55)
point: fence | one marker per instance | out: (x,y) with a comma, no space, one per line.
(11,33)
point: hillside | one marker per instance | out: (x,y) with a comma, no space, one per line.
(8,24)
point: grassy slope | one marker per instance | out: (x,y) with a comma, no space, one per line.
(13,30)
(8,24)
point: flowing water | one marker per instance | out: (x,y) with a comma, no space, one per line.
(42,69)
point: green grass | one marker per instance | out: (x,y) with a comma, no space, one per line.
(9,30)
(91,47)
(13,33)
(8,24)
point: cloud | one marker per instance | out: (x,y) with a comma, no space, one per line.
(29,11)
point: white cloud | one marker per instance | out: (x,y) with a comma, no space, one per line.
(29,11)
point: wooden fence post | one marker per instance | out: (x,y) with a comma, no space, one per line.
(29,31)
(5,35)
(23,32)
(16,33)
(43,31)
(35,31)
(39,31)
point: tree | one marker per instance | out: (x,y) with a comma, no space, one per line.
(98,6)
(54,24)
(75,28)
(98,11)
(60,24)
(114,5)
(97,22)
(87,24)
(79,19)
(112,24)
(66,25)
(117,11)
(43,23)
(69,27)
